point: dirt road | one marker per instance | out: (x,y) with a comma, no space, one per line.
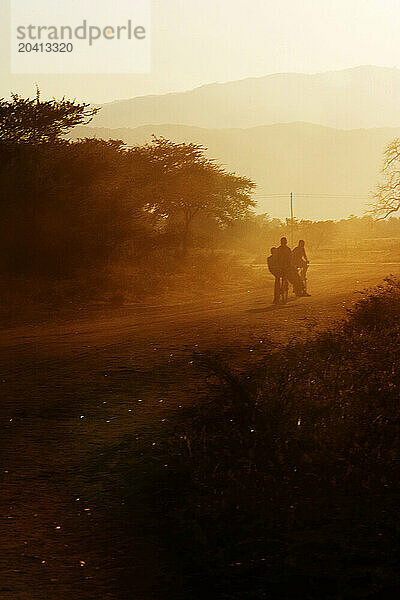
(71,388)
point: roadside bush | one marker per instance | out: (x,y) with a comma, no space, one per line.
(379,309)
(284,483)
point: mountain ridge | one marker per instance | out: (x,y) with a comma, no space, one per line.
(300,156)
(253,78)
(359,97)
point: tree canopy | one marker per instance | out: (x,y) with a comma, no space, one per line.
(387,195)
(73,205)
(185,184)
(37,121)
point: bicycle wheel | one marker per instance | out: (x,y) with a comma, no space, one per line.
(303,274)
(284,290)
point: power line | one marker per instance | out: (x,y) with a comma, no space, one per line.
(331,195)
(324,195)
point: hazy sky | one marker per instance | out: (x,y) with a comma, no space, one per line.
(196,42)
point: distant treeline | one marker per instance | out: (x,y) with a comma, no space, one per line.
(257,233)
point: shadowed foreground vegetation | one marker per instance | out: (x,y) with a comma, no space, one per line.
(283,483)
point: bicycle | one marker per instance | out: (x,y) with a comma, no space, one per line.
(302,271)
(283,289)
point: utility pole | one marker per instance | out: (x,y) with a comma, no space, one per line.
(291,219)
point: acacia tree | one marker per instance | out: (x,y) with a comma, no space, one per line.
(387,195)
(37,121)
(186,184)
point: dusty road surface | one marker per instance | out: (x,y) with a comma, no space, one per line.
(70,389)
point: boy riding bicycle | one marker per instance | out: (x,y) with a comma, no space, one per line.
(301,262)
(281,265)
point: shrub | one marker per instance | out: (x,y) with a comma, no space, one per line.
(284,482)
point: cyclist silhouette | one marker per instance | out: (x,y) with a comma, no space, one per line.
(301,262)
(286,271)
(273,266)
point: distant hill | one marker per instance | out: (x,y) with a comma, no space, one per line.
(360,97)
(298,157)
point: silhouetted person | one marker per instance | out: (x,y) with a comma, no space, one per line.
(286,265)
(284,257)
(299,255)
(300,261)
(273,266)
